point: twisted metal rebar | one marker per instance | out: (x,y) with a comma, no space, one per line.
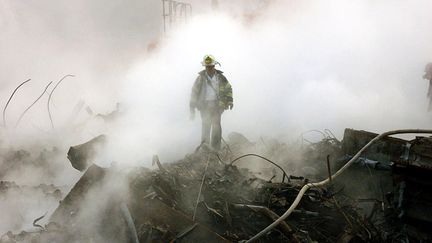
(264,158)
(10,98)
(28,108)
(50,95)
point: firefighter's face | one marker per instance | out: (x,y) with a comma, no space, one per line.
(210,68)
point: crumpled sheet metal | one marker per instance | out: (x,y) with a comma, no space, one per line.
(82,155)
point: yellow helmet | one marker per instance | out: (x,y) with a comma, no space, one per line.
(209,60)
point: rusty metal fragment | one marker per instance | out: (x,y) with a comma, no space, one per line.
(81,155)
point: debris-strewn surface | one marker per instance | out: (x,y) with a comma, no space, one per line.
(29,185)
(212,197)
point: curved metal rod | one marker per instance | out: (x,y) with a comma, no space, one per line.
(219,158)
(324,182)
(329,132)
(129,221)
(285,228)
(259,156)
(314,130)
(201,186)
(28,108)
(50,95)
(7,103)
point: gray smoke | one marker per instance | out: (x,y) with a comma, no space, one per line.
(293,65)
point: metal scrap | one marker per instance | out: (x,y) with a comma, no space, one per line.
(199,199)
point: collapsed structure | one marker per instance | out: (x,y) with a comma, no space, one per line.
(210,197)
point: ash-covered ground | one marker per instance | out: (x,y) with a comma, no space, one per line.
(229,195)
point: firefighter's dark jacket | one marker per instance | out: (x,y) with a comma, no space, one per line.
(224,91)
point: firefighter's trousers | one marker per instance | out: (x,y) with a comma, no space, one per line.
(211,124)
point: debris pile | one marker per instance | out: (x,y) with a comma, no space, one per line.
(47,190)
(207,197)
(14,161)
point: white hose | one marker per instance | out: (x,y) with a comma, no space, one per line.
(324,182)
(128,217)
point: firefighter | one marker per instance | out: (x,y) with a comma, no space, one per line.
(211,95)
(428,76)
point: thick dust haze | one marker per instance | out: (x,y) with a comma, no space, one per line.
(293,65)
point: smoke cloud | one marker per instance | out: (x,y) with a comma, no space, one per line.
(293,65)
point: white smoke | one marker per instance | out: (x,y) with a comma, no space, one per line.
(293,65)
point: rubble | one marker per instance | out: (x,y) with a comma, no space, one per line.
(81,155)
(47,190)
(14,160)
(193,201)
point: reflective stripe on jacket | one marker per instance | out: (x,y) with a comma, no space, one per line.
(225,96)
